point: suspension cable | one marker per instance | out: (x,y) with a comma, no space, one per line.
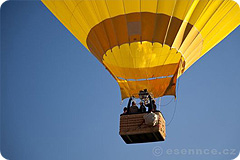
(175,107)
(167,103)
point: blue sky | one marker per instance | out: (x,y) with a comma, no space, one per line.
(58,102)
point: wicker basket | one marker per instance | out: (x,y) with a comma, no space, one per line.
(134,130)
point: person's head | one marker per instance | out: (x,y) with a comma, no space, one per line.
(133,103)
(125,110)
(153,101)
(141,103)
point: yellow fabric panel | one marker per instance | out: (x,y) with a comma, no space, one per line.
(216,33)
(69,14)
(113,57)
(193,57)
(159,52)
(199,51)
(216,21)
(181,8)
(92,12)
(189,40)
(132,6)
(173,57)
(71,4)
(179,38)
(222,29)
(119,61)
(51,6)
(101,8)
(131,88)
(166,6)
(149,6)
(141,55)
(124,89)
(115,7)
(219,14)
(191,9)
(195,43)
(130,73)
(85,15)
(127,58)
(198,11)
(207,13)
(141,60)
(80,34)
(62,11)
(75,28)
(219,37)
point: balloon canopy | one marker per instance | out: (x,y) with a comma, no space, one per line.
(147,44)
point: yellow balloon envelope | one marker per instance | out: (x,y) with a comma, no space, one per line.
(147,44)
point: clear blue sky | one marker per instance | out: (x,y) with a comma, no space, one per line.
(59,103)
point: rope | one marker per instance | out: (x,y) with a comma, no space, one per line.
(175,107)
(167,103)
(121,103)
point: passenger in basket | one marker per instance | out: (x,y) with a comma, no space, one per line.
(154,105)
(134,108)
(125,110)
(142,108)
(149,105)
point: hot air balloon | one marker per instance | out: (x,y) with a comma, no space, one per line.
(147,44)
